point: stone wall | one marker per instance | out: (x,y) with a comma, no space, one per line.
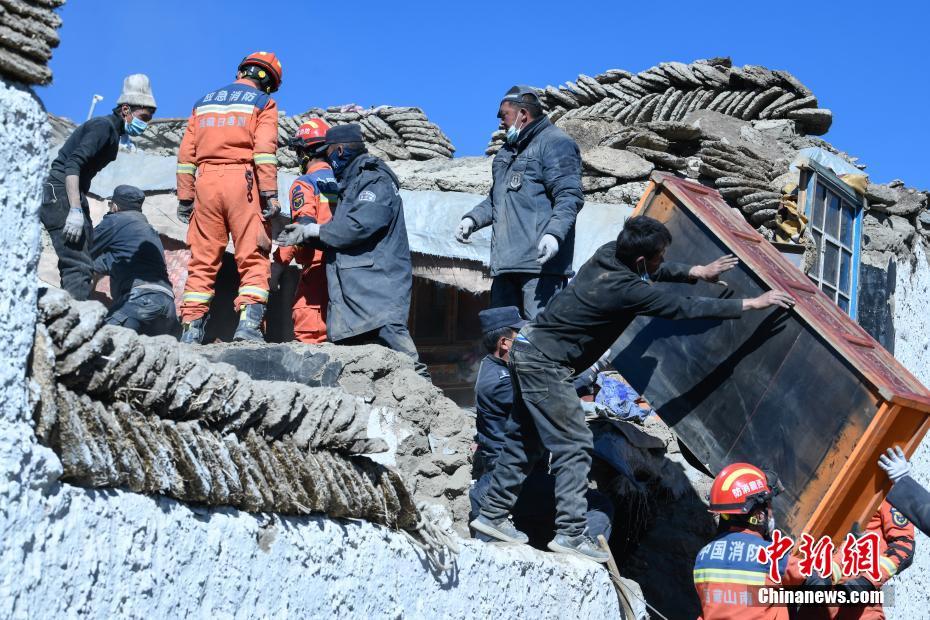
(912,348)
(28,34)
(392,133)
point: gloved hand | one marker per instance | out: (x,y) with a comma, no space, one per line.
(185,210)
(815,580)
(295,234)
(857,584)
(465,229)
(74,225)
(270,205)
(894,463)
(277,270)
(547,248)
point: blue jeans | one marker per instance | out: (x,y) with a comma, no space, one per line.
(145,311)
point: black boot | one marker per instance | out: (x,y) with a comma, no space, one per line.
(193,332)
(250,319)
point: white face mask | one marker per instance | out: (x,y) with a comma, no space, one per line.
(513,132)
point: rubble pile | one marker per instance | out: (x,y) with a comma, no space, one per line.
(28,34)
(433,435)
(392,133)
(670,90)
(123,410)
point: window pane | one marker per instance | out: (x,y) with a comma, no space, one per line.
(832,224)
(845,271)
(847,225)
(831,258)
(817,218)
(844,304)
(830,291)
(815,270)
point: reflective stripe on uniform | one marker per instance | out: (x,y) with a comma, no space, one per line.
(195,297)
(888,565)
(722,575)
(218,108)
(254,291)
(265,158)
(187,168)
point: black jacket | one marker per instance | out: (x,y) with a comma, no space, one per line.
(536,190)
(88,150)
(493,401)
(128,249)
(368,269)
(913,501)
(588,316)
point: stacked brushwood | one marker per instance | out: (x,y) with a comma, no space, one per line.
(671,90)
(392,133)
(28,34)
(123,410)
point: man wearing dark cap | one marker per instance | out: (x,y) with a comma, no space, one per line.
(534,512)
(128,249)
(368,269)
(534,200)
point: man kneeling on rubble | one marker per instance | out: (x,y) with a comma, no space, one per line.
(577,326)
(534,511)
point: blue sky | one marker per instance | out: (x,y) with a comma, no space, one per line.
(867,62)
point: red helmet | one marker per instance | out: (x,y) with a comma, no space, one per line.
(265,68)
(739,488)
(310,134)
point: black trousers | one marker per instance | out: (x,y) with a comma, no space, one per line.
(75,266)
(530,292)
(546,416)
(396,337)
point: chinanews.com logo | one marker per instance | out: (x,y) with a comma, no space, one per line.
(842,573)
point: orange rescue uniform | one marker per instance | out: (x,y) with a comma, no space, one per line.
(312,195)
(895,553)
(227,157)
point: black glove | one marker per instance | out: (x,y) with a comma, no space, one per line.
(815,580)
(185,210)
(857,584)
(270,205)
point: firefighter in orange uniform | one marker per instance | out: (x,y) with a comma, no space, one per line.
(227,185)
(727,573)
(895,553)
(313,195)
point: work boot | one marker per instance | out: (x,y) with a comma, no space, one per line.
(250,319)
(582,546)
(501,529)
(193,332)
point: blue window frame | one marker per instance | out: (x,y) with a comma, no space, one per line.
(834,213)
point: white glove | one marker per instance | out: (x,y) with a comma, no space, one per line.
(894,463)
(465,229)
(74,225)
(547,248)
(295,234)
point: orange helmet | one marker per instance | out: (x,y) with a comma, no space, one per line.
(739,488)
(265,68)
(310,134)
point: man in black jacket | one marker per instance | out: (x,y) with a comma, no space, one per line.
(128,249)
(534,200)
(65,213)
(577,326)
(368,270)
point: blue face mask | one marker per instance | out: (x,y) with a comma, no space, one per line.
(135,127)
(513,134)
(339,161)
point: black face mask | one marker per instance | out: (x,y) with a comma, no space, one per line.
(338,161)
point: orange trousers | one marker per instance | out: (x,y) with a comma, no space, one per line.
(222,208)
(309,311)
